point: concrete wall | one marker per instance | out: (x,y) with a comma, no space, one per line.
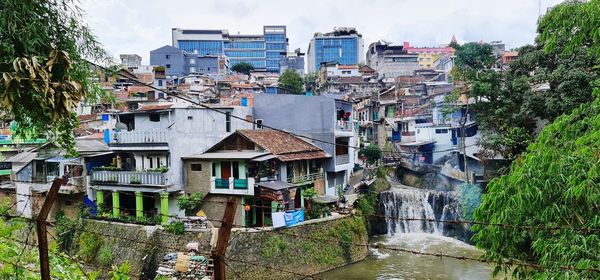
(213,206)
(175,60)
(309,248)
(197,181)
(306,249)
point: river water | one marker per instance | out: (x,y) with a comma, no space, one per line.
(386,264)
(421,236)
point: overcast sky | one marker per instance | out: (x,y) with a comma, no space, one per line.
(139,26)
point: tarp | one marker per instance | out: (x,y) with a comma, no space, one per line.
(292,218)
(278,219)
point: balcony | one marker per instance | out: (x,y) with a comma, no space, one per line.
(134,137)
(128,178)
(342,159)
(232,186)
(407,137)
(341,125)
(306,178)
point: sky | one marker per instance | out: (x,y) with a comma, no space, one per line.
(139,26)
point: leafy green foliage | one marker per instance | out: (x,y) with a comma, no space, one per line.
(310,81)
(554,184)
(191,203)
(309,193)
(11,247)
(121,272)
(65,230)
(105,256)
(292,81)
(242,67)
(44,73)
(510,106)
(372,153)
(177,228)
(89,244)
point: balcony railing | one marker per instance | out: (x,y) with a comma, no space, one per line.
(128,178)
(342,159)
(155,136)
(232,186)
(306,178)
(343,125)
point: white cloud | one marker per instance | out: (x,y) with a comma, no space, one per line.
(138,26)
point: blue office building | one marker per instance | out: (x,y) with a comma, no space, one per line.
(262,51)
(343,46)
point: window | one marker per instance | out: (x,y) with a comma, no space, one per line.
(196,167)
(259,123)
(441,131)
(160,83)
(168,56)
(154,117)
(192,61)
(190,118)
(168,65)
(214,169)
(151,162)
(228,122)
(345,72)
(192,69)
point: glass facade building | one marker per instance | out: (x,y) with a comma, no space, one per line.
(262,51)
(342,46)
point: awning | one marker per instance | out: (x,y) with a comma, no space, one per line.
(5,172)
(265,157)
(133,189)
(275,185)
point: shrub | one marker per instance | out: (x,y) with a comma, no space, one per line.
(190,203)
(105,256)
(89,244)
(177,228)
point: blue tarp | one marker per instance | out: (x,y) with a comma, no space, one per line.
(292,218)
(90,205)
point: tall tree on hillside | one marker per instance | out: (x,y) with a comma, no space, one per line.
(242,67)
(292,81)
(538,87)
(43,47)
(555,183)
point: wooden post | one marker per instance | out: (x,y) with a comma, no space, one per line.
(41,228)
(218,253)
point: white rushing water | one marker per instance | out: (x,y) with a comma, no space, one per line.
(401,204)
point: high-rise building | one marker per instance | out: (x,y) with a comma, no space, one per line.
(343,46)
(262,51)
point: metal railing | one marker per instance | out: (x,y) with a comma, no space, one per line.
(128,178)
(343,125)
(154,136)
(342,159)
(306,178)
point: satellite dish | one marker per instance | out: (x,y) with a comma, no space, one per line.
(121,126)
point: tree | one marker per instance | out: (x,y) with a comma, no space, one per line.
(509,106)
(242,67)
(292,81)
(43,47)
(311,81)
(555,183)
(372,153)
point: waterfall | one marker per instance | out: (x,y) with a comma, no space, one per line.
(430,206)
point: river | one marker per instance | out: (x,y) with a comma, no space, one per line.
(386,264)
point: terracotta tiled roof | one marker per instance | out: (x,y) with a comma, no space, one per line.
(285,146)
(153,107)
(347,67)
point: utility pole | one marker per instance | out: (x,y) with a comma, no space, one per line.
(219,252)
(463,122)
(41,228)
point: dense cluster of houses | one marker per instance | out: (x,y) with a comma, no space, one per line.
(139,156)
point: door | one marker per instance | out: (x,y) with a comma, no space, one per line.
(225,169)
